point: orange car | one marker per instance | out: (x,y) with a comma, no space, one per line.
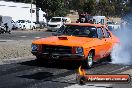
(76,41)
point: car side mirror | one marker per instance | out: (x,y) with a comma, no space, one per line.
(103,36)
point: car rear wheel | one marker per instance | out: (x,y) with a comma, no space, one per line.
(89,60)
(109,59)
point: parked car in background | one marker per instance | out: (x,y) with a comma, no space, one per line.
(13,25)
(56,22)
(110,28)
(113,26)
(82,42)
(25,24)
(87,18)
(109,22)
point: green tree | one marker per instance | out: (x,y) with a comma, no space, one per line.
(76,4)
(52,7)
(90,7)
(110,10)
(24,1)
(103,7)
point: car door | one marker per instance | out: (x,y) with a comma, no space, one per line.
(100,48)
(108,41)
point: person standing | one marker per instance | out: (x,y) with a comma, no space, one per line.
(7,28)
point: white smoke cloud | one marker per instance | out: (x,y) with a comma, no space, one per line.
(122,53)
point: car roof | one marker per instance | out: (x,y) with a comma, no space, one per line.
(85,24)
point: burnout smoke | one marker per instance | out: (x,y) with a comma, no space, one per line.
(122,52)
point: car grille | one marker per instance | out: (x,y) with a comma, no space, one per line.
(57,49)
(52,25)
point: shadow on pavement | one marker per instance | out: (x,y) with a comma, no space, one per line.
(50,75)
(38,76)
(47,76)
(70,65)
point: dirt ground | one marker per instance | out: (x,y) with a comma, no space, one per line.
(14,49)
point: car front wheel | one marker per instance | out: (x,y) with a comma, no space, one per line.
(89,60)
(40,60)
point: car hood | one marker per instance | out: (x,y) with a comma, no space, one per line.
(63,40)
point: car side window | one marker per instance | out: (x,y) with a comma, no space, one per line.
(107,34)
(91,32)
(100,33)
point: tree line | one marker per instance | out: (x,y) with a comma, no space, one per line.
(93,7)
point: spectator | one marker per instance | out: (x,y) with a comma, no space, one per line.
(7,28)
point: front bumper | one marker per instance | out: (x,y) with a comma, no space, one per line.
(56,56)
(53,28)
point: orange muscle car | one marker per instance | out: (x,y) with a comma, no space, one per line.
(76,41)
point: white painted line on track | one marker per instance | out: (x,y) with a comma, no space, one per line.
(23,36)
(117,70)
(17,60)
(37,37)
(89,86)
(6,40)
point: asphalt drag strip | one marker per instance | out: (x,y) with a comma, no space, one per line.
(28,74)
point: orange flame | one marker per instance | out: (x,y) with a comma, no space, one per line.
(81,71)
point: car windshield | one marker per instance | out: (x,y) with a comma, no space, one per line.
(110,22)
(56,20)
(21,21)
(28,21)
(81,31)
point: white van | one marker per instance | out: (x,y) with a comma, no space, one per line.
(99,19)
(56,22)
(6,19)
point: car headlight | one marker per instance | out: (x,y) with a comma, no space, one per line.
(34,47)
(79,50)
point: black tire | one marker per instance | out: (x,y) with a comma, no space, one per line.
(24,28)
(9,31)
(88,63)
(108,58)
(33,28)
(41,60)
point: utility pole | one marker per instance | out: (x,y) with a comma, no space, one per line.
(37,13)
(31,13)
